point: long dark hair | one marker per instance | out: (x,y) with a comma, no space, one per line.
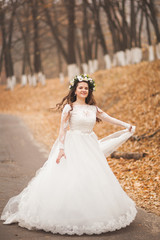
(71,98)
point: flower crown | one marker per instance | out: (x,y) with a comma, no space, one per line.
(80,78)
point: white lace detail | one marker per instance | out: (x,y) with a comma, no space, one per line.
(96,228)
(83,118)
(105,117)
(64,125)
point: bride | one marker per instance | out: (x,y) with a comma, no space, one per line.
(75,191)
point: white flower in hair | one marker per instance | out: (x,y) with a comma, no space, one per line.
(80,78)
(72,82)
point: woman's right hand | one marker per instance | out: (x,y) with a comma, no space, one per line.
(60,155)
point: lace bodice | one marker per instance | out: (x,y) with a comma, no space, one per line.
(83,118)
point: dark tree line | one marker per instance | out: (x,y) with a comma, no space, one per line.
(75,35)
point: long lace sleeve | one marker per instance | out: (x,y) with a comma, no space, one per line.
(64,125)
(105,117)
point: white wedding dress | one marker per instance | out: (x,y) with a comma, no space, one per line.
(80,194)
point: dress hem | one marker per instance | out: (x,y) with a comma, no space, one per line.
(95,228)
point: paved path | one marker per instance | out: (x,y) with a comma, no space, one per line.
(20,157)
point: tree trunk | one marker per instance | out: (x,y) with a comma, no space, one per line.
(37,55)
(95,9)
(85,38)
(154,17)
(98,28)
(95,61)
(111,24)
(1,59)
(148,27)
(11,80)
(158,50)
(118,31)
(150,48)
(54,31)
(140,30)
(124,25)
(133,39)
(25,36)
(61,76)
(71,59)
(79,55)
(70,6)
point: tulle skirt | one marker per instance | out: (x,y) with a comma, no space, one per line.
(79,195)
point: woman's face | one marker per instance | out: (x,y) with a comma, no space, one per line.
(82,90)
